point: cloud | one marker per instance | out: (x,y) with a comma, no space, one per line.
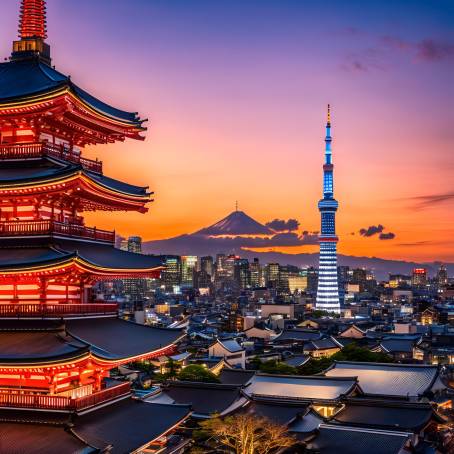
(378,55)
(280,225)
(371,230)
(428,50)
(429,200)
(387,236)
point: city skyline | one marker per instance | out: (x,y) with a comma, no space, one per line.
(388,82)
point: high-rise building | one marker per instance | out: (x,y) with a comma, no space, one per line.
(328,289)
(272,275)
(134,289)
(256,273)
(188,268)
(442,277)
(241,273)
(419,277)
(171,275)
(207,265)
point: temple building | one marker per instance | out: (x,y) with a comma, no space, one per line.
(57,342)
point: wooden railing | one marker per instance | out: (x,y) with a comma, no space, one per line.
(37,150)
(9,309)
(63,403)
(48,226)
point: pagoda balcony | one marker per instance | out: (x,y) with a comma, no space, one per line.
(51,227)
(8,399)
(33,308)
(39,150)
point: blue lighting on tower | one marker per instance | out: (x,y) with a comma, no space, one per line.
(328,288)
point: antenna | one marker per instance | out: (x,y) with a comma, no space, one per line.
(236,205)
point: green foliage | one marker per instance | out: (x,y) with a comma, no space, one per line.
(196,372)
(274,367)
(351,352)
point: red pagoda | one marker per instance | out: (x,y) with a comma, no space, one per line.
(57,343)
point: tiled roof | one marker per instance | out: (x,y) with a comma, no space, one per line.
(333,440)
(235,376)
(389,415)
(388,379)
(299,387)
(204,398)
(298,335)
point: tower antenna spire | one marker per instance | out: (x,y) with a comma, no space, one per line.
(328,119)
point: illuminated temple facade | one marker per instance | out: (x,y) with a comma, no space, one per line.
(57,342)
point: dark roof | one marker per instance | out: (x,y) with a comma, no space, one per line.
(205,398)
(15,254)
(26,78)
(281,413)
(398,345)
(310,388)
(385,415)
(321,344)
(128,425)
(231,345)
(235,376)
(115,338)
(298,334)
(297,361)
(39,439)
(29,170)
(29,347)
(400,380)
(332,440)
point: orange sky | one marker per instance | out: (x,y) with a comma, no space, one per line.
(236,95)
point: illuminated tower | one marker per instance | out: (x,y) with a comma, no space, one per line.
(328,289)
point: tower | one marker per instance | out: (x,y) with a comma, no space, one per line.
(328,289)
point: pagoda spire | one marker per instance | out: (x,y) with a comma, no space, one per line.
(32,32)
(32,21)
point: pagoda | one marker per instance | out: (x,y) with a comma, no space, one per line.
(57,341)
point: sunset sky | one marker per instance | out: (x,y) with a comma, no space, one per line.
(236,93)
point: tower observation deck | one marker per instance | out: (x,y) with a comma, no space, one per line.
(328,289)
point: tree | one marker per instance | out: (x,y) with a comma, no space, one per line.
(247,434)
(351,352)
(274,367)
(196,372)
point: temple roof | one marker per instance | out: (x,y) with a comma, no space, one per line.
(33,342)
(332,439)
(204,398)
(129,424)
(124,426)
(385,415)
(113,338)
(399,380)
(22,347)
(20,254)
(235,376)
(23,79)
(46,169)
(300,387)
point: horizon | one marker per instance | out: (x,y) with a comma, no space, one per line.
(241,115)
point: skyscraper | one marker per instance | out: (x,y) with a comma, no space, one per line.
(328,289)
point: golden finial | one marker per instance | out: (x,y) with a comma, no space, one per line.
(329,114)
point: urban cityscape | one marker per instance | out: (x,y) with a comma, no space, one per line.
(246,336)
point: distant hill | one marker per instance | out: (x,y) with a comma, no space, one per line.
(233,233)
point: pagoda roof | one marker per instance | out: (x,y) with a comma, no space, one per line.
(26,342)
(36,346)
(20,254)
(124,426)
(47,170)
(114,338)
(24,80)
